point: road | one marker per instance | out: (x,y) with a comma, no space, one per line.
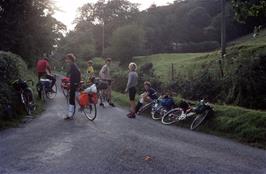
(114,144)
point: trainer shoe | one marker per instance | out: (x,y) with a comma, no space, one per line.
(111,104)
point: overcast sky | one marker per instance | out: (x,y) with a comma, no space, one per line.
(68,8)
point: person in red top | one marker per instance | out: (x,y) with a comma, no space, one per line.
(44,70)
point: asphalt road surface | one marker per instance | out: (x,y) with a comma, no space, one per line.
(116,144)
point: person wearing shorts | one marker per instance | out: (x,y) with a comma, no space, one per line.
(104,75)
(131,88)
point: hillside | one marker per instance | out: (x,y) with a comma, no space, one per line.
(244,73)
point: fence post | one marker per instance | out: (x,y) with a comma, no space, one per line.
(173,72)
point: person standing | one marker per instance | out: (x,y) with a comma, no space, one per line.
(75,77)
(104,75)
(132,88)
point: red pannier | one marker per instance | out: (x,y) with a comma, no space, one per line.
(85,99)
(65,83)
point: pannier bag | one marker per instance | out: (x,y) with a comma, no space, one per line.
(20,84)
(45,82)
(83,99)
(167,103)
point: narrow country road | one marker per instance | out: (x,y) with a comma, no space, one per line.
(114,144)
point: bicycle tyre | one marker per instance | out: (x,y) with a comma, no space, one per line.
(172,116)
(145,107)
(25,102)
(43,94)
(64,91)
(199,119)
(156,114)
(28,101)
(50,95)
(90,111)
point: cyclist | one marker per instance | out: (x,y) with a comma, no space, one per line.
(75,77)
(104,75)
(149,95)
(44,70)
(131,88)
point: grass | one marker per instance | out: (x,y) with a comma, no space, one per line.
(183,62)
(244,125)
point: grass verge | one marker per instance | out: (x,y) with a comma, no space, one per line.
(244,125)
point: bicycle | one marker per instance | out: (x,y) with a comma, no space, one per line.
(89,106)
(160,108)
(46,90)
(148,105)
(177,114)
(65,87)
(102,86)
(26,95)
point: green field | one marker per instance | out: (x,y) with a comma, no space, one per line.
(183,62)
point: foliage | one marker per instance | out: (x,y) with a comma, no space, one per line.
(12,67)
(250,9)
(107,16)
(244,68)
(28,28)
(79,43)
(127,41)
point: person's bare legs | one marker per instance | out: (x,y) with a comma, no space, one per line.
(133,106)
(109,95)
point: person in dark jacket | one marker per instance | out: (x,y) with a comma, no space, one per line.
(75,77)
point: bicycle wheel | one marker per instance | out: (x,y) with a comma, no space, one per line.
(28,101)
(199,119)
(52,92)
(90,111)
(145,107)
(156,113)
(172,116)
(43,94)
(64,90)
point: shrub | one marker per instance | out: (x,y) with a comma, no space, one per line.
(12,67)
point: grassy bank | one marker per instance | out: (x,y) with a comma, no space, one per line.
(244,125)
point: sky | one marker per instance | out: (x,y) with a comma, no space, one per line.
(68,8)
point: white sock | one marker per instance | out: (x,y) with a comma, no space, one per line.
(71,109)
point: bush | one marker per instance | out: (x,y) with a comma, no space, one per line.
(12,67)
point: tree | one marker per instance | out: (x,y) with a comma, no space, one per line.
(249,8)
(28,28)
(127,42)
(106,18)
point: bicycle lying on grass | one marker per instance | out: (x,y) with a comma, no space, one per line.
(26,94)
(201,112)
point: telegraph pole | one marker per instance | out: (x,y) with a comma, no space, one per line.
(223,37)
(103,39)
